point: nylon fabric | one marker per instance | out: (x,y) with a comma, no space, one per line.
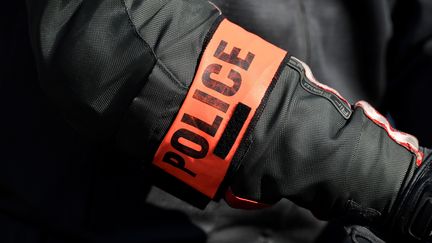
(186,26)
(92,81)
(175,32)
(326,159)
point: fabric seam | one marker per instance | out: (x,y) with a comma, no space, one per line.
(159,62)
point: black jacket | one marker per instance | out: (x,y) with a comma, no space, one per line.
(72,151)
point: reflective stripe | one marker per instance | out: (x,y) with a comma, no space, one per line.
(216,7)
(406,140)
(235,71)
(312,78)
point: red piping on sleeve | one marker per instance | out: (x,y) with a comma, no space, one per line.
(242,203)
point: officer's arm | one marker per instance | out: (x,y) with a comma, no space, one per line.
(221,110)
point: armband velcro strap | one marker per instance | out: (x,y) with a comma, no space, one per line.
(233,76)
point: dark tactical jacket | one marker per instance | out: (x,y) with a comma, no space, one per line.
(77,86)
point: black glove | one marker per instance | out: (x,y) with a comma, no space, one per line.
(411,213)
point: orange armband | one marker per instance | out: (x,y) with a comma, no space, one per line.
(233,76)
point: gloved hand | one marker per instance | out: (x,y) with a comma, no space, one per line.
(411,214)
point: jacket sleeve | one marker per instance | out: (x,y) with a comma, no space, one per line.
(105,64)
